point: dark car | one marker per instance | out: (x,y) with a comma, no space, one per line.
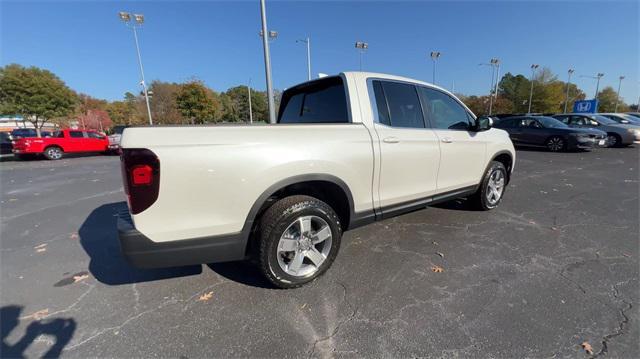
(542,131)
(622,118)
(6,146)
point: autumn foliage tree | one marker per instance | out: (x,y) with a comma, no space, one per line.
(197,103)
(35,94)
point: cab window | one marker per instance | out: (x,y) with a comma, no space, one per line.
(76,134)
(320,101)
(95,135)
(403,105)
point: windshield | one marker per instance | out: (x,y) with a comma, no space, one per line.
(550,122)
(603,120)
(118,130)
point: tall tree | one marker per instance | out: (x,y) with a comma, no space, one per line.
(196,103)
(607,101)
(237,105)
(164,109)
(36,94)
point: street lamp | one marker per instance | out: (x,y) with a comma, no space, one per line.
(495,62)
(267,61)
(566,101)
(139,19)
(308,42)
(435,55)
(533,72)
(618,95)
(250,109)
(596,77)
(362,47)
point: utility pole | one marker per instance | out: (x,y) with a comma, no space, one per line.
(267,62)
(618,95)
(307,41)
(126,18)
(250,109)
(566,101)
(598,76)
(533,72)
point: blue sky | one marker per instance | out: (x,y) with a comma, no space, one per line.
(86,45)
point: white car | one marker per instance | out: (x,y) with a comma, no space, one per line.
(348,150)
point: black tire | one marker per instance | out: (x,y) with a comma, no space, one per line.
(614,140)
(53,153)
(273,224)
(556,144)
(479,200)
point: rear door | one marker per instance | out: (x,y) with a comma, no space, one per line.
(75,141)
(410,152)
(532,133)
(95,142)
(462,150)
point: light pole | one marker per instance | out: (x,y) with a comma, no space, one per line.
(491,64)
(307,41)
(533,72)
(566,101)
(250,109)
(598,76)
(435,55)
(496,62)
(267,61)
(362,47)
(618,95)
(139,19)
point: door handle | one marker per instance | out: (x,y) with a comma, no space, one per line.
(391,140)
(447,140)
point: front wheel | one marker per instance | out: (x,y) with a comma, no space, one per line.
(299,240)
(555,144)
(613,140)
(492,187)
(53,153)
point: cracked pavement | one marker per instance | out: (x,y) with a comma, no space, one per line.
(554,266)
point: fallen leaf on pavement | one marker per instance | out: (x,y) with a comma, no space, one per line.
(587,348)
(12,199)
(626,255)
(73,236)
(40,246)
(40,250)
(37,315)
(440,254)
(437,269)
(304,305)
(554,228)
(205,297)
(78,278)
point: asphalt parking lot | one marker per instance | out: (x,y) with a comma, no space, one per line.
(554,266)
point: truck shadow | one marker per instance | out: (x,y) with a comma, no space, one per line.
(99,238)
(242,272)
(60,329)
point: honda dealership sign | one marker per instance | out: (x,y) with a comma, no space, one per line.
(586,106)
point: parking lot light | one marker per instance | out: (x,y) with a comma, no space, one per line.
(533,72)
(362,47)
(307,41)
(566,101)
(267,61)
(435,55)
(126,18)
(618,93)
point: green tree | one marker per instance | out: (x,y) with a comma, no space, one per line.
(36,94)
(164,108)
(197,103)
(607,101)
(515,89)
(236,104)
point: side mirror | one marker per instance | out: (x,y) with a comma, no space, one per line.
(484,123)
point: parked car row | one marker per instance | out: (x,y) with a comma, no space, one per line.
(571,131)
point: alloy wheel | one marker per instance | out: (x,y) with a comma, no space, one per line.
(555,144)
(304,246)
(495,187)
(612,140)
(54,153)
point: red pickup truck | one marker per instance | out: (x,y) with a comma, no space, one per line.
(61,142)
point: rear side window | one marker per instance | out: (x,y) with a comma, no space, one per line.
(404,109)
(95,135)
(320,101)
(76,134)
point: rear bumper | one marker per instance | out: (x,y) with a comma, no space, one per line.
(142,252)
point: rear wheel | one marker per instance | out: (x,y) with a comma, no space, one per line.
(491,188)
(53,153)
(299,240)
(555,144)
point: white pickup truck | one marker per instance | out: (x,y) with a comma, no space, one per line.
(348,150)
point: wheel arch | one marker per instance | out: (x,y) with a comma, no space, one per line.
(327,188)
(504,157)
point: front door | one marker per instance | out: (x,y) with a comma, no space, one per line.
(462,150)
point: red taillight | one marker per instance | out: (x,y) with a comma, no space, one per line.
(141,177)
